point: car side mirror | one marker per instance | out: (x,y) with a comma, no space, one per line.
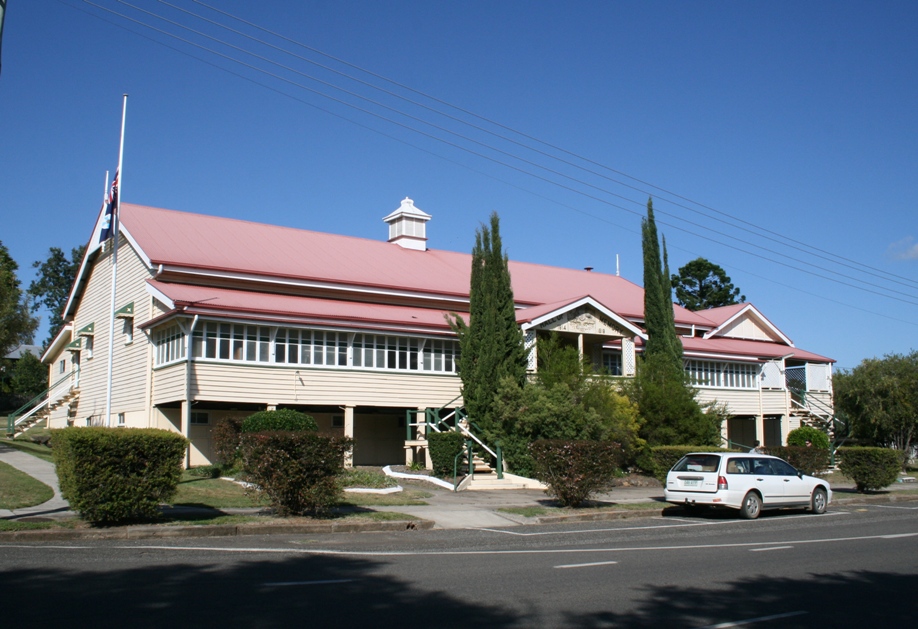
(799,474)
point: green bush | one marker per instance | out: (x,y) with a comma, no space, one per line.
(297,470)
(444,446)
(573,470)
(799,437)
(206,471)
(870,468)
(113,475)
(658,460)
(809,460)
(281,419)
(226,435)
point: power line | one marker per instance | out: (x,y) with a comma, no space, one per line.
(463,148)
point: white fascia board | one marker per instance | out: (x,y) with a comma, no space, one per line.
(581,302)
(91,248)
(158,294)
(351,288)
(749,308)
(319,323)
(728,357)
(137,249)
(62,338)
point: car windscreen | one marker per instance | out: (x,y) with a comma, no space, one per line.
(697,463)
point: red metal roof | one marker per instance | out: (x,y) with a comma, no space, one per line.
(739,347)
(243,304)
(211,243)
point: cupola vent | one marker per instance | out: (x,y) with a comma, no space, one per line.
(408,226)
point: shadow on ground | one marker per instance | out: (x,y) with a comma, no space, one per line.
(287,592)
(855,599)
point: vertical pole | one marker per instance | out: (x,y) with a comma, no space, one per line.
(349,432)
(116,218)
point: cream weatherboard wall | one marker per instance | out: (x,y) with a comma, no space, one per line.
(131,352)
(748,327)
(299,385)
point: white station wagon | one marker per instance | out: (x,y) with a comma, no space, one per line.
(748,482)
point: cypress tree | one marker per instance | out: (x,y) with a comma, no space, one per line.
(661,389)
(491,344)
(659,321)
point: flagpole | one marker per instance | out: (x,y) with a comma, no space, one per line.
(116,219)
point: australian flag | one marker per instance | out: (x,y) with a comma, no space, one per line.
(110,213)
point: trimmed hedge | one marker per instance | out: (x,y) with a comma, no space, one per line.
(658,460)
(809,460)
(281,419)
(114,475)
(573,470)
(296,470)
(443,447)
(870,468)
(799,437)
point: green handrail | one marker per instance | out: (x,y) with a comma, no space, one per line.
(11,418)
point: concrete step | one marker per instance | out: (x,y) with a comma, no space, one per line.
(488,482)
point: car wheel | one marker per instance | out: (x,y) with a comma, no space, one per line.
(752,506)
(819,501)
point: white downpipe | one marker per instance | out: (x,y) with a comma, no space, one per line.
(186,407)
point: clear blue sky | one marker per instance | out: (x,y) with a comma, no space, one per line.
(795,118)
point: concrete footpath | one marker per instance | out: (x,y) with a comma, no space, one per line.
(39,469)
(444,510)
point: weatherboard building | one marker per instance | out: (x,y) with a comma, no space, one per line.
(217,317)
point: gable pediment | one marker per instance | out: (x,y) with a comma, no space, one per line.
(749,325)
(585,316)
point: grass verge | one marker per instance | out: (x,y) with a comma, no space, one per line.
(35,449)
(215,493)
(18,489)
(407,498)
(536,512)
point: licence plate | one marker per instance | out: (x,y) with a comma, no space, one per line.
(691,483)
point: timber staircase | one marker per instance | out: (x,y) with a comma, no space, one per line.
(482,466)
(64,391)
(814,411)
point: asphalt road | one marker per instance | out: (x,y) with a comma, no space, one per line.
(856,566)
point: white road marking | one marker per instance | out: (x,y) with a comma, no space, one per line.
(325,582)
(894,507)
(588,565)
(740,623)
(546,551)
(685,523)
(759,550)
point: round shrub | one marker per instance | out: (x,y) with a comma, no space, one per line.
(296,469)
(799,437)
(281,419)
(870,468)
(575,469)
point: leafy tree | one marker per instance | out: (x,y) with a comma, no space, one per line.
(52,288)
(659,320)
(28,377)
(880,399)
(566,401)
(491,344)
(701,284)
(670,412)
(16,324)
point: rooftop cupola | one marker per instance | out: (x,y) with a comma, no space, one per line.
(408,226)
